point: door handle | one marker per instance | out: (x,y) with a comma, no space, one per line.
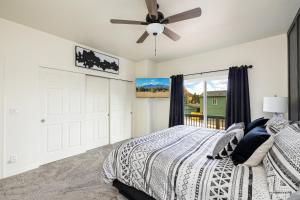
(43,120)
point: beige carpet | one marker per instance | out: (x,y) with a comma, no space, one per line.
(74,178)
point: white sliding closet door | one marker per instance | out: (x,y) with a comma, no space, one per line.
(121,96)
(97,111)
(1,116)
(62,105)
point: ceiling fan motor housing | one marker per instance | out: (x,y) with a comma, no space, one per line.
(160,17)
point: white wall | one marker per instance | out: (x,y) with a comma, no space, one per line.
(142,106)
(267,78)
(24,50)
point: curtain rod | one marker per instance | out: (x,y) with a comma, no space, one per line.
(220,70)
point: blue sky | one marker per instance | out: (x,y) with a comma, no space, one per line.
(196,86)
(152,81)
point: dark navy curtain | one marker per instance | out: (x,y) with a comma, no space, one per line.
(176,116)
(238,99)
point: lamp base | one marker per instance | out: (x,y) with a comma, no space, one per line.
(278,115)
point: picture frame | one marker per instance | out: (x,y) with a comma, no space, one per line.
(89,59)
(152,87)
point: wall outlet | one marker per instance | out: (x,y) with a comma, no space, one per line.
(12,159)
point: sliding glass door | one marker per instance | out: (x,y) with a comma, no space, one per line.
(193,102)
(205,102)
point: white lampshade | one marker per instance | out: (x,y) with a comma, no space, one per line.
(275,104)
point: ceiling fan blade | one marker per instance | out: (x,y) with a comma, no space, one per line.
(143,37)
(121,21)
(152,8)
(183,16)
(169,33)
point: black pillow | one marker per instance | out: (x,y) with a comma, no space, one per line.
(260,122)
(249,144)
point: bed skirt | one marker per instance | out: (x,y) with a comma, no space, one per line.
(130,192)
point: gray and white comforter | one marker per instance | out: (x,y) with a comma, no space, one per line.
(172,164)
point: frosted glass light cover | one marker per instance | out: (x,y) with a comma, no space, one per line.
(155,28)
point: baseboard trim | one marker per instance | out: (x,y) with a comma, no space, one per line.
(9,173)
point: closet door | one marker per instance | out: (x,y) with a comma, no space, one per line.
(121,96)
(129,88)
(97,112)
(62,114)
(294,70)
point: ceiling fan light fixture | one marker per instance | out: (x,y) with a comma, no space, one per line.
(155,21)
(155,28)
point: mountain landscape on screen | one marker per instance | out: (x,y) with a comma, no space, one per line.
(152,87)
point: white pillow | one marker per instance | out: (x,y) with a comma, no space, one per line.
(259,154)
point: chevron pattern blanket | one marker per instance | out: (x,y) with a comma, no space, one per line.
(172,164)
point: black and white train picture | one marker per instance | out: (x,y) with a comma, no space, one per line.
(97,61)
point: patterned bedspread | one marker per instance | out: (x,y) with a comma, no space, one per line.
(172,164)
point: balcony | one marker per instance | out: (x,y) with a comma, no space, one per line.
(214,122)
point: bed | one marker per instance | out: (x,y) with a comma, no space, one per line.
(172,164)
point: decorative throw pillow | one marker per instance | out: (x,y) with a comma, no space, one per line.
(275,124)
(260,153)
(282,163)
(253,147)
(234,126)
(296,124)
(260,122)
(226,145)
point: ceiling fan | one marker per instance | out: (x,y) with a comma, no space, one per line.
(156,21)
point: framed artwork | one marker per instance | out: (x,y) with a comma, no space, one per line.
(89,59)
(152,87)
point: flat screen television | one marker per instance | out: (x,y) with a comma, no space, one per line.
(152,87)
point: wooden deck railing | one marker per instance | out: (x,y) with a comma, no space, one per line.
(214,122)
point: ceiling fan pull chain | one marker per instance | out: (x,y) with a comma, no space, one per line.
(155,45)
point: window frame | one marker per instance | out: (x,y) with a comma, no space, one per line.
(205,79)
(214,101)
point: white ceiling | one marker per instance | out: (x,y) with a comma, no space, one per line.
(223,23)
